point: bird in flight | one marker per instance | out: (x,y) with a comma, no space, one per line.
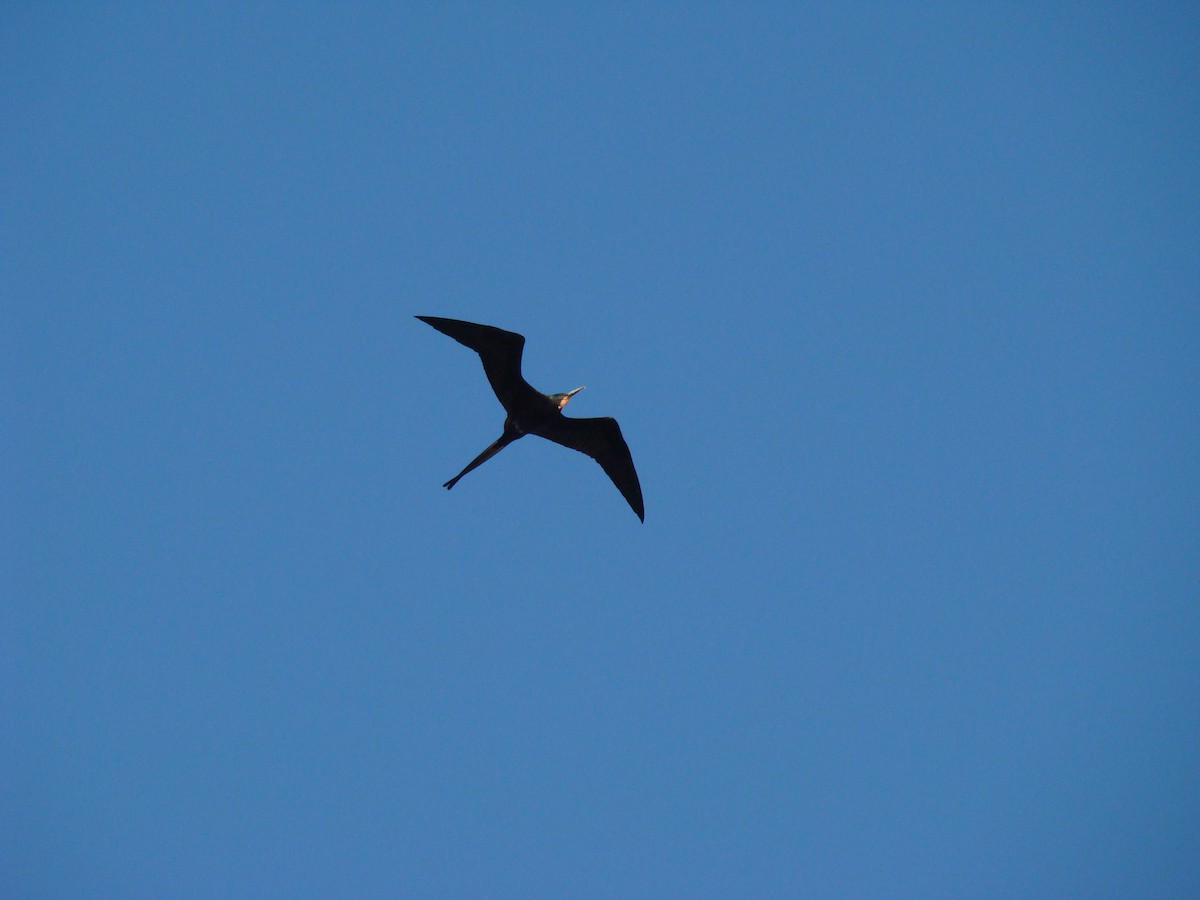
(532,412)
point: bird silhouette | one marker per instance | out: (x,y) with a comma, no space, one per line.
(532,412)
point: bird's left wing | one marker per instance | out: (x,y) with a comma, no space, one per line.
(500,352)
(601,439)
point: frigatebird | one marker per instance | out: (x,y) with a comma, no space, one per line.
(532,412)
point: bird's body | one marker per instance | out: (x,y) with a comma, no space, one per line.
(532,412)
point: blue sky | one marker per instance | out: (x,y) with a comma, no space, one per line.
(896,305)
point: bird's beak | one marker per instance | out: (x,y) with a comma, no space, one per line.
(567,396)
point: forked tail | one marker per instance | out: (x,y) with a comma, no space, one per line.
(500,443)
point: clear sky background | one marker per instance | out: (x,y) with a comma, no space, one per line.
(896,304)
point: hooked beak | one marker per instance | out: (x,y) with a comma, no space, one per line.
(567,396)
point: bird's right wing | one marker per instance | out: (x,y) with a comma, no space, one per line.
(601,439)
(499,350)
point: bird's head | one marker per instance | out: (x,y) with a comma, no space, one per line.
(560,400)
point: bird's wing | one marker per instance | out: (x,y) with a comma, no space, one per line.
(601,439)
(499,350)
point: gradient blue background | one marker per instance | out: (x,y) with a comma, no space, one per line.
(897,305)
